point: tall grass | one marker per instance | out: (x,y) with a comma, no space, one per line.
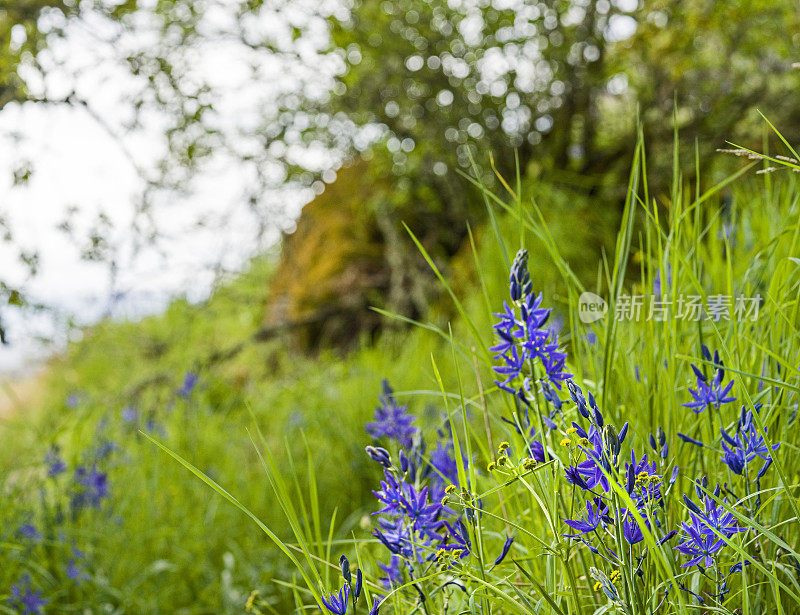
(160,542)
(739,238)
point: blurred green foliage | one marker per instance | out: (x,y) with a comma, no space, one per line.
(552,88)
(21,39)
(562,81)
(331,266)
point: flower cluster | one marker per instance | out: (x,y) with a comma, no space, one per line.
(75,570)
(91,487)
(432,522)
(622,503)
(597,471)
(611,525)
(527,349)
(709,530)
(392,420)
(710,392)
(745,445)
(415,523)
(407,514)
(23,597)
(70,488)
(86,487)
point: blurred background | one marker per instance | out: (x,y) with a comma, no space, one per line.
(151,148)
(201,202)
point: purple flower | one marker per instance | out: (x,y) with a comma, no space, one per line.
(337,604)
(713,516)
(443,471)
(55,464)
(573,475)
(699,547)
(524,338)
(578,397)
(519,279)
(29,532)
(660,289)
(344,564)
(379,454)
(708,531)
(392,420)
(394,573)
(396,537)
(130,414)
(92,487)
(631,530)
(504,551)
(22,596)
(734,459)
(551,397)
(596,513)
(76,573)
(745,445)
(690,440)
(712,393)
(189,382)
(594,468)
(659,443)
(400,498)
(537,451)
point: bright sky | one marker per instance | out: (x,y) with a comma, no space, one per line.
(77,165)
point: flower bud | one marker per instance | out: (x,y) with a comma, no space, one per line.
(403,462)
(379,454)
(359,580)
(504,552)
(344,564)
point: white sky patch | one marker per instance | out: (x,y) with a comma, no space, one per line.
(78,164)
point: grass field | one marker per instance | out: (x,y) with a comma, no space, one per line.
(98,517)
